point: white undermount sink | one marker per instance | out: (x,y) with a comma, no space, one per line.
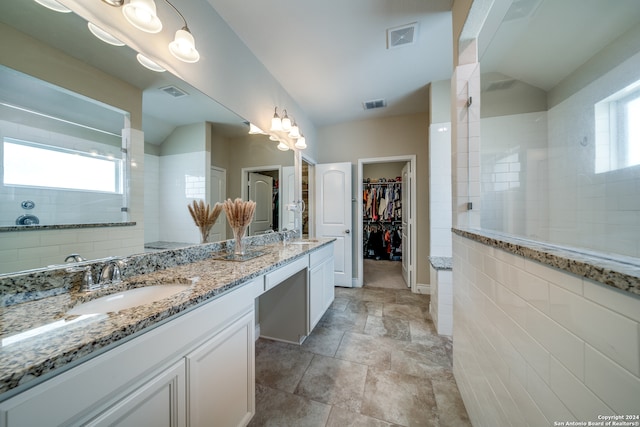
(127,299)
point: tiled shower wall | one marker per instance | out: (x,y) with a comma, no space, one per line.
(57,206)
(588,209)
(534,345)
(539,175)
(171,183)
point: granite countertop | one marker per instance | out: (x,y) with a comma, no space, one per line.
(617,271)
(38,337)
(441,262)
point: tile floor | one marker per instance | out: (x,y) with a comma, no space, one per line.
(374,359)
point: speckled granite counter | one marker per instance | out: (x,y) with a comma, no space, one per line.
(619,271)
(441,262)
(28,353)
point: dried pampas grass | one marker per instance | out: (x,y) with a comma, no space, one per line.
(239,212)
(204,216)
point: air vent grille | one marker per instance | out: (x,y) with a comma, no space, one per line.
(402,36)
(174,91)
(373,104)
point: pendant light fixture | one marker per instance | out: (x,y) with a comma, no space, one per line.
(149,64)
(103,35)
(276,121)
(53,5)
(301,143)
(286,122)
(282,146)
(295,131)
(254,130)
(183,45)
(142,15)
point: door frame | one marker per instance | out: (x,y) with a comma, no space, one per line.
(245,183)
(411,158)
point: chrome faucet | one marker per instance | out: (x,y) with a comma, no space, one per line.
(74,258)
(111,272)
(87,278)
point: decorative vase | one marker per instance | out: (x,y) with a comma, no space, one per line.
(204,235)
(238,235)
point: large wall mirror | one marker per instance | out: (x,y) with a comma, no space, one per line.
(560,122)
(192,147)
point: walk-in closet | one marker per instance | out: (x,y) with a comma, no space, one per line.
(382,224)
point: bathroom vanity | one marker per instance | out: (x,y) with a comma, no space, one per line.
(184,360)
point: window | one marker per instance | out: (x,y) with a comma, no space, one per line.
(31,164)
(618,130)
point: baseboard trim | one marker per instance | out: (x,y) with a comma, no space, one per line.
(423,288)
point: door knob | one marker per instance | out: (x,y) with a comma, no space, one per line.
(347,231)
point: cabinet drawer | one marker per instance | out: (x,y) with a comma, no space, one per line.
(282,273)
(317,256)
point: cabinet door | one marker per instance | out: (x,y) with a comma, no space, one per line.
(329,283)
(316,294)
(221,378)
(159,402)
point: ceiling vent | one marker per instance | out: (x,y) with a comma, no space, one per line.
(174,91)
(376,103)
(402,36)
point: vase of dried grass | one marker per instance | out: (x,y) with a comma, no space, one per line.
(238,236)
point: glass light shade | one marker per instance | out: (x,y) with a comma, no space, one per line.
(103,35)
(294,132)
(254,130)
(301,143)
(274,138)
(276,123)
(286,122)
(142,15)
(53,5)
(183,46)
(147,63)
(115,3)
(282,146)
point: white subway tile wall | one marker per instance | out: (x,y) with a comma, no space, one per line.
(441,303)
(27,249)
(440,189)
(534,345)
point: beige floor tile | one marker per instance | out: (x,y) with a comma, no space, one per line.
(275,408)
(343,320)
(387,327)
(368,307)
(451,410)
(342,418)
(406,312)
(399,398)
(279,365)
(323,341)
(365,349)
(334,382)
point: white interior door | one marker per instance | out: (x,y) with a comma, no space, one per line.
(333,215)
(287,197)
(405,190)
(261,192)
(218,195)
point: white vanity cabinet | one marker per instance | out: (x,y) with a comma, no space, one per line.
(159,402)
(321,284)
(221,378)
(196,369)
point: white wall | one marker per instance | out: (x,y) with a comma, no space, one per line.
(533,345)
(390,136)
(440,189)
